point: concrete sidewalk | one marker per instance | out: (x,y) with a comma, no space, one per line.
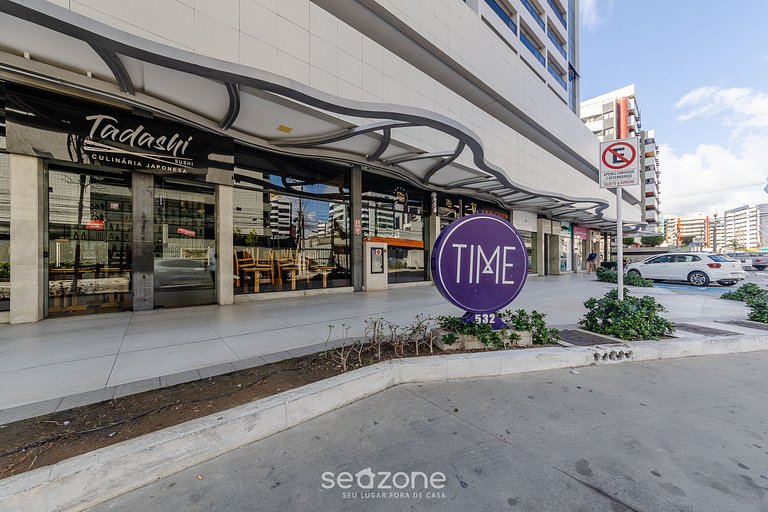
(62,363)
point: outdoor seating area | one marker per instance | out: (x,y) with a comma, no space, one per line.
(259,269)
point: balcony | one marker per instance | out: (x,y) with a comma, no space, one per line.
(558,14)
(554,73)
(558,44)
(531,9)
(502,14)
(534,49)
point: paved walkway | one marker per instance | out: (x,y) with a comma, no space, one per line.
(677,435)
(61,363)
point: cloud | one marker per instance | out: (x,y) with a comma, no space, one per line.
(718,177)
(592,12)
(740,107)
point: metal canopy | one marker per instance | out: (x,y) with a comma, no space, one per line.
(49,46)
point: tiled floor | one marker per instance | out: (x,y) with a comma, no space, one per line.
(60,357)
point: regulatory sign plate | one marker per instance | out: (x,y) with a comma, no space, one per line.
(619,163)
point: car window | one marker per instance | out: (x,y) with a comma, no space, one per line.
(695,258)
(684,258)
(719,258)
(660,259)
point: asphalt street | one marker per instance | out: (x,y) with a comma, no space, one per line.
(676,435)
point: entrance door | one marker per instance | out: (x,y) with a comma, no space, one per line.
(89,242)
(185,244)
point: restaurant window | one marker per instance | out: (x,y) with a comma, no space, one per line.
(394,214)
(291,225)
(90,234)
(185,242)
(5,232)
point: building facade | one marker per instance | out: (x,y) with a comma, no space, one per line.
(689,229)
(743,228)
(180,155)
(616,115)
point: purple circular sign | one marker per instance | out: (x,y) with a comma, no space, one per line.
(480,263)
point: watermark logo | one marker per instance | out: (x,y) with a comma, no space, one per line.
(367,484)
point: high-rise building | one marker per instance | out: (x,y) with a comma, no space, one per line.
(616,115)
(324,101)
(688,229)
(744,228)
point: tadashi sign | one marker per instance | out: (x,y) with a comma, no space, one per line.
(479,263)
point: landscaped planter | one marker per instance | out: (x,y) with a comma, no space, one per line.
(469,342)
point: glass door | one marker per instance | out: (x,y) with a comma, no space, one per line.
(185,244)
(89,242)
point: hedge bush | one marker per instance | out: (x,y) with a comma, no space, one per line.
(634,318)
(521,320)
(758,308)
(611,276)
(744,292)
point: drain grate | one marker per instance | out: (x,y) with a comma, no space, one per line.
(706,331)
(584,339)
(744,323)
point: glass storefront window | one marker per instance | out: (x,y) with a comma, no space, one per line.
(291,228)
(529,238)
(185,244)
(394,215)
(5,233)
(90,234)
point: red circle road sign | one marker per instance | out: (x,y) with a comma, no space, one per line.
(616,154)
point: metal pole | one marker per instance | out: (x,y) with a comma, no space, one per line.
(619,244)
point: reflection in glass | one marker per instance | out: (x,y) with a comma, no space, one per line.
(395,216)
(291,232)
(185,242)
(5,234)
(89,233)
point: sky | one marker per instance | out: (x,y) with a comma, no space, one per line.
(700,68)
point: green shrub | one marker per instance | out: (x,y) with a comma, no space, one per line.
(611,276)
(634,318)
(651,241)
(628,240)
(521,320)
(483,332)
(744,292)
(5,270)
(758,308)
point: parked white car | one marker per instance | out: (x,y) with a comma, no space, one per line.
(697,268)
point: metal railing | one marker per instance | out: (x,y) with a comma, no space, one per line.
(558,44)
(502,15)
(559,15)
(534,13)
(554,73)
(534,50)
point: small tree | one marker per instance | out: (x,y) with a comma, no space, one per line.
(651,241)
(628,240)
(686,240)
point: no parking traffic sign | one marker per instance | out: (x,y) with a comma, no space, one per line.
(619,163)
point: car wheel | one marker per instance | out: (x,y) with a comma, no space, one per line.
(726,283)
(698,278)
(634,272)
(759,267)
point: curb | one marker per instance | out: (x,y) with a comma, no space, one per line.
(86,480)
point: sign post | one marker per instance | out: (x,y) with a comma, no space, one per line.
(619,168)
(479,263)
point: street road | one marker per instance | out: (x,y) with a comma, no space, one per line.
(676,435)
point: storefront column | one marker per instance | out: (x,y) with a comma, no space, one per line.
(143,252)
(433,229)
(356,205)
(225,294)
(28,289)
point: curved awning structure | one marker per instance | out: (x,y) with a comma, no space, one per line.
(45,45)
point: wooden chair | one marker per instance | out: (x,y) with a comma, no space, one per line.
(246,266)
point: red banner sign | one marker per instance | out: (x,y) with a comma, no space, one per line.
(186,232)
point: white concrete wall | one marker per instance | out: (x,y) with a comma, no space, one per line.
(299,40)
